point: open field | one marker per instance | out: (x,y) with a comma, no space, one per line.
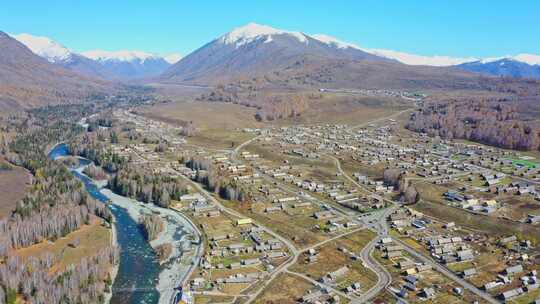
(13,184)
(93,237)
(205,115)
(207,299)
(342,108)
(285,288)
(218,124)
(331,258)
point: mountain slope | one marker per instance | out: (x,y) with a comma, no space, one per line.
(29,80)
(406,58)
(254,49)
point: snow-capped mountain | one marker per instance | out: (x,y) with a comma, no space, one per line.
(255,48)
(522,66)
(119,65)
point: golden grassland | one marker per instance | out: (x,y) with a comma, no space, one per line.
(13,185)
(284,289)
(93,237)
(330,259)
(207,299)
(205,115)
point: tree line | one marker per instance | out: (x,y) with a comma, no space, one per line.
(142,184)
(31,279)
(210,177)
(496,122)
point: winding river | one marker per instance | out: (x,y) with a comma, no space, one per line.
(139,268)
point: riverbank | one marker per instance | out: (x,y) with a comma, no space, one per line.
(177,231)
(114,271)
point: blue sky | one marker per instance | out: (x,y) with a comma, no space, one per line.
(456,28)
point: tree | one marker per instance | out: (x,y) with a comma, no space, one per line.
(411,195)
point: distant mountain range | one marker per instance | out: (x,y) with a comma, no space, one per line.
(37,70)
(129,65)
(119,65)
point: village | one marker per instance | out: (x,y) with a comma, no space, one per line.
(312,206)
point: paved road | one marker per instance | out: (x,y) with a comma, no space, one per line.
(383,230)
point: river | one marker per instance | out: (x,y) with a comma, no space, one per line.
(139,269)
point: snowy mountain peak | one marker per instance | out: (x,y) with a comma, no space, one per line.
(44,47)
(253,31)
(332,41)
(124,55)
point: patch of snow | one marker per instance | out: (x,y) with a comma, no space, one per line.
(123,55)
(492,59)
(44,47)
(269,39)
(173,58)
(253,31)
(528,59)
(412,59)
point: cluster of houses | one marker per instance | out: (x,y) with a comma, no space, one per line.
(450,249)
(528,282)
(411,271)
(471,203)
(245,248)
